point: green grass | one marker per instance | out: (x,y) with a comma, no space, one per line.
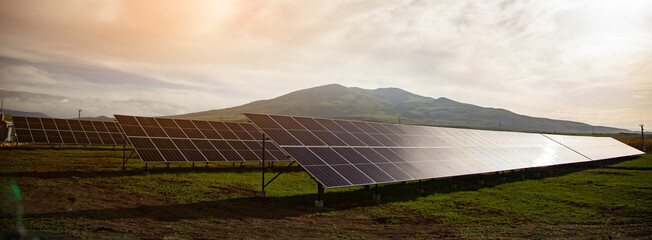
(574,202)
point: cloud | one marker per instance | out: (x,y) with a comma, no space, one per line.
(542,58)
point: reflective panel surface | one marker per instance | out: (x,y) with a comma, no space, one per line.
(67,131)
(340,153)
(173,140)
(595,148)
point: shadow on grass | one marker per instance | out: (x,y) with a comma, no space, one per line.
(35,147)
(200,168)
(298,205)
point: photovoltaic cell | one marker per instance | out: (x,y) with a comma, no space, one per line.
(67,131)
(182,140)
(340,153)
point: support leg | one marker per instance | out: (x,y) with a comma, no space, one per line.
(376,196)
(420,189)
(262,192)
(319,203)
(453,184)
(124,156)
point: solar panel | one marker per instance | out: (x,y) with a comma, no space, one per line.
(67,131)
(595,148)
(341,153)
(181,140)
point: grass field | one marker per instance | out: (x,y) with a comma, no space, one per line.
(82,193)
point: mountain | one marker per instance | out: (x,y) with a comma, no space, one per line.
(387,104)
(100,118)
(25,114)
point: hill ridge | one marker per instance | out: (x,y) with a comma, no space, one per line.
(388,104)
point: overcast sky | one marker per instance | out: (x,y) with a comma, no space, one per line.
(588,61)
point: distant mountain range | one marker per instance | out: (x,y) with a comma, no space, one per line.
(392,104)
(43,115)
(100,118)
(25,114)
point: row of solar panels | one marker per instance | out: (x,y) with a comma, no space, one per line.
(174,140)
(67,131)
(340,153)
(155,139)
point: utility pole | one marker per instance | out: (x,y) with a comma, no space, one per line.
(642,137)
(79,115)
(2,108)
(399,119)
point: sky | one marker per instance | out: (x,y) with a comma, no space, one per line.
(587,61)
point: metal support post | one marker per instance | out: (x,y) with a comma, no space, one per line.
(420,189)
(642,137)
(453,184)
(376,196)
(124,154)
(262,153)
(124,160)
(319,203)
(279,174)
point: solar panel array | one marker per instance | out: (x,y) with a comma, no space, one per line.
(67,131)
(595,148)
(340,153)
(181,140)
